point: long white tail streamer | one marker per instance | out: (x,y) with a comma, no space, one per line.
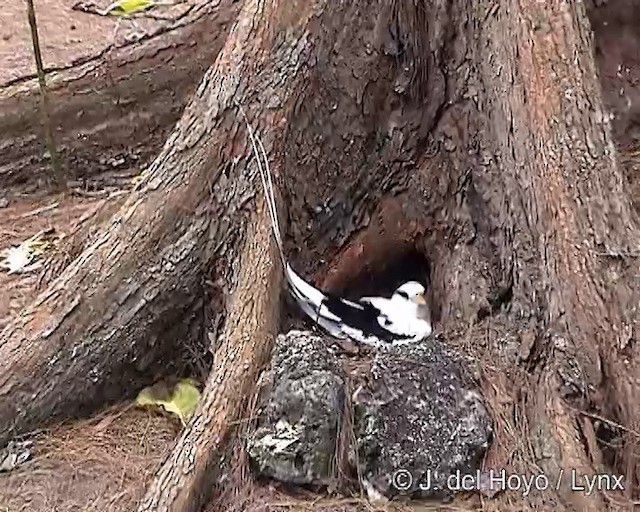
(310,299)
(267,185)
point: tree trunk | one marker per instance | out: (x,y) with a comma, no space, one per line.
(560,221)
(472,133)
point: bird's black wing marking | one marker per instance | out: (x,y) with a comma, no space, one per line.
(362,316)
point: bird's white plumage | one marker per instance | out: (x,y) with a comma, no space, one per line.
(376,321)
(405,315)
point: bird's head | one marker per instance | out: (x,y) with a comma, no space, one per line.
(411,291)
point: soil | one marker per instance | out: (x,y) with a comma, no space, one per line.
(68,35)
(103,463)
(93,465)
(19,222)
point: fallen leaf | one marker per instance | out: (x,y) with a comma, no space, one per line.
(22,258)
(180,400)
(125,7)
(14,454)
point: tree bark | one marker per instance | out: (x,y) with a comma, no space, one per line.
(472,133)
(183,481)
(119,312)
(111,112)
(561,218)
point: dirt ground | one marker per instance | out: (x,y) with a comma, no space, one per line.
(104,462)
(68,35)
(23,218)
(93,465)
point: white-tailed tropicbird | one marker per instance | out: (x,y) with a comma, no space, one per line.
(375,321)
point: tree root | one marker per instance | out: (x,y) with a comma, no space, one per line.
(252,319)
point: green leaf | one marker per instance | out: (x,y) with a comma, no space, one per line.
(125,7)
(180,400)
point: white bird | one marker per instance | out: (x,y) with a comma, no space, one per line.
(374,321)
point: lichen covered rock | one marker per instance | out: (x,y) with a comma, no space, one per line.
(419,420)
(299,418)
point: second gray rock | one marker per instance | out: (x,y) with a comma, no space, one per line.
(420,422)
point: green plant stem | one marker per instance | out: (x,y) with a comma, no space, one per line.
(57,174)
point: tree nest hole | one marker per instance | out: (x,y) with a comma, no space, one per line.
(380,281)
(410,265)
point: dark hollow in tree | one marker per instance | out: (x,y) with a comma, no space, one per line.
(472,133)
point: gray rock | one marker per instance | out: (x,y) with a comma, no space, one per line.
(295,440)
(419,421)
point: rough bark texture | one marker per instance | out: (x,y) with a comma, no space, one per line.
(472,133)
(118,312)
(522,200)
(111,112)
(549,195)
(184,480)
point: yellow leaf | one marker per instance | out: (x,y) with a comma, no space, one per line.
(124,7)
(180,400)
